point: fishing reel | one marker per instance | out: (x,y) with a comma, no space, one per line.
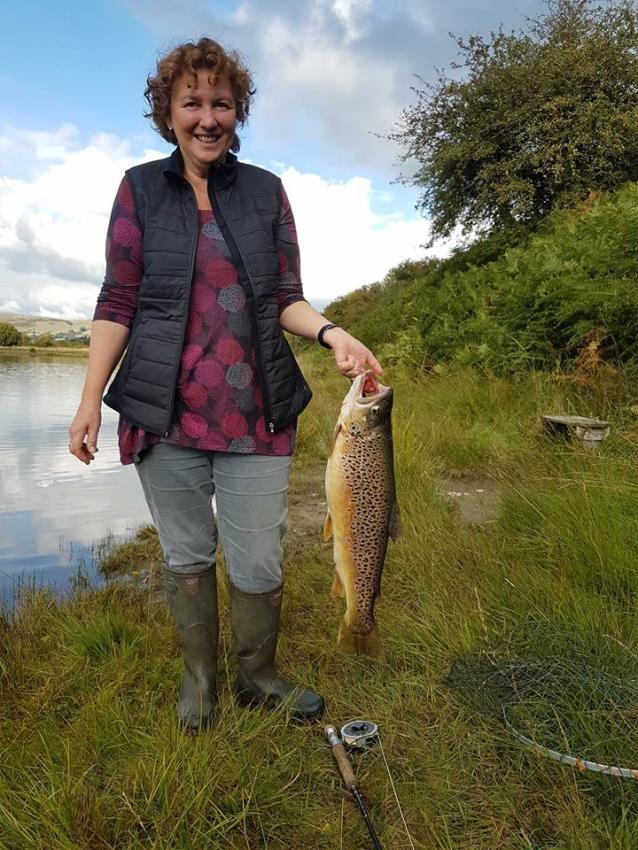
(360,735)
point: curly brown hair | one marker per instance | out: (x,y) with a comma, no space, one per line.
(188,58)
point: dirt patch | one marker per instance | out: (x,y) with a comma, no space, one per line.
(477,500)
(306,501)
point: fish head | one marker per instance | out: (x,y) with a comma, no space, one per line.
(367,406)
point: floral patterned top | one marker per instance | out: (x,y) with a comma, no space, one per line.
(218,401)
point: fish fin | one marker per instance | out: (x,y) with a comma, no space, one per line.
(395,527)
(357,644)
(327,527)
(335,434)
(337,588)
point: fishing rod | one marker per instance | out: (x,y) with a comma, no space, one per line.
(359,731)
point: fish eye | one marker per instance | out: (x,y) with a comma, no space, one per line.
(374,409)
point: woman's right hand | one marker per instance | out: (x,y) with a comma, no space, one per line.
(86,424)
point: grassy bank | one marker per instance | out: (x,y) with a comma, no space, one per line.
(535,610)
(48,351)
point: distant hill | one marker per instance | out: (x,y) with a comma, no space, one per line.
(66,329)
(58,328)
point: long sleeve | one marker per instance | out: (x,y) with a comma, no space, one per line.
(290,288)
(117,301)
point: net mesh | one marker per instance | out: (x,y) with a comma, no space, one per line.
(566,705)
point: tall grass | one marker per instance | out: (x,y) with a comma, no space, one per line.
(90,756)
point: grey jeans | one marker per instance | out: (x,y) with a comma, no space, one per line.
(252,507)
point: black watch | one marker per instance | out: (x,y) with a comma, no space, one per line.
(323,331)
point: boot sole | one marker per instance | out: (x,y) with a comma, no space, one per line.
(251,700)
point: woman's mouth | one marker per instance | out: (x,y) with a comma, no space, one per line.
(207,140)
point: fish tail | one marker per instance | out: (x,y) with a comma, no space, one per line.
(356,643)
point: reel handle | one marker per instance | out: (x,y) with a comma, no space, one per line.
(341,758)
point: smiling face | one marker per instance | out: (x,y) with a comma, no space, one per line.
(203,117)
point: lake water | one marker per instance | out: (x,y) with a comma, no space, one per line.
(54,509)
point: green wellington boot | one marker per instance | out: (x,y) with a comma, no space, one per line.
(255,623)
(192,600)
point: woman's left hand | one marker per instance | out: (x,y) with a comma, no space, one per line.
(351,356)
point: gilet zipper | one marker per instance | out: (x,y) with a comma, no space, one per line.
(185,320)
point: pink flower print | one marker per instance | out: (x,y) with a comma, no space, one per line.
(209,373)
(194,395)
(202,298)
(191,355)
(193,424)
(126,232)
(234,425)
(229,351)
(219,272)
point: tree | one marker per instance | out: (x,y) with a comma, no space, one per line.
(9,334)
(535,120)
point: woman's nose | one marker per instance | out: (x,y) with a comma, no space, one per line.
(207,117)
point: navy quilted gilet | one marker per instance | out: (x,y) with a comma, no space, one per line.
(246,201)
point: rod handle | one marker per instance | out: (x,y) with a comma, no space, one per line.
(340,756)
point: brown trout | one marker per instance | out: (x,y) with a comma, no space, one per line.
(362,508)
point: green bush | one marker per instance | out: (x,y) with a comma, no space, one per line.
(9,334)
(541,305)
(548,300)
(44,341)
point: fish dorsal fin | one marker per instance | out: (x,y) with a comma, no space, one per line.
(327,527)
(394,529)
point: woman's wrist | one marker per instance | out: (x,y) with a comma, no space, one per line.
(321,334)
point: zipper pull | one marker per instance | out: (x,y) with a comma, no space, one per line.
(271,427)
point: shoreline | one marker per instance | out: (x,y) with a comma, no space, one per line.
(64,351)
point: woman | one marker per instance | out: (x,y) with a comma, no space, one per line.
(202,275)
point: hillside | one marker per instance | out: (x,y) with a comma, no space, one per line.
(58,328)
(562,295)
(62,329)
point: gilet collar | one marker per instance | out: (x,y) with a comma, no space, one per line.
(224,173)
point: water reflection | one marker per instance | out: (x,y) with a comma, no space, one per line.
(53,509)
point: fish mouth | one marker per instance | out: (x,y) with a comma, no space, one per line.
(370,390)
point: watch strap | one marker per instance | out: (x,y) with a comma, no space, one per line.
(323,331)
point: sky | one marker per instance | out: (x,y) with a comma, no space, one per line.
(332,78)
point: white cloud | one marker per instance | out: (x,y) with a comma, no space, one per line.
(53,221)
(54,224)
(345,243)
(348,12)
(333,75)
